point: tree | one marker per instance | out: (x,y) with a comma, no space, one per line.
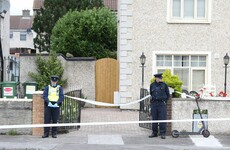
(46,18)
(88,33)
(46,68)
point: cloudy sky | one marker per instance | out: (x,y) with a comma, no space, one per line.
(16,6)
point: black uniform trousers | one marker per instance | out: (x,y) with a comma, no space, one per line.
(51,114)
(158,112)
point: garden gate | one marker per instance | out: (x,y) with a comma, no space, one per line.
(107,79)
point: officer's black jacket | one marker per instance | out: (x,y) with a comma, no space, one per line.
(159,91)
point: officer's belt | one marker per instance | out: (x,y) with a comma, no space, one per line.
(157,101)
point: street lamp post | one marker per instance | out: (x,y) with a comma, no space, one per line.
(226,61)
(142,60)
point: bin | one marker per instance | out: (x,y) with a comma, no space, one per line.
(9,89)
(197,125)
(29,89)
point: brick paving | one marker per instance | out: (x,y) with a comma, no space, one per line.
(110,115)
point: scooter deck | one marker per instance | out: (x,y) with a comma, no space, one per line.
(188,133)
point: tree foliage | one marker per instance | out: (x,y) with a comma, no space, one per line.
(46,18)
(88,33)
(45,69)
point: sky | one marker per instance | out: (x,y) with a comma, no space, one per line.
(16,6)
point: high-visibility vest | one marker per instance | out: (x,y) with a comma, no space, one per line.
(53,95)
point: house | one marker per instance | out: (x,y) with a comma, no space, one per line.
(21,34)
(4,32)
(111,4)
(37,4)
(189,37)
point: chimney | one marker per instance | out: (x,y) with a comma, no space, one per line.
(26,13)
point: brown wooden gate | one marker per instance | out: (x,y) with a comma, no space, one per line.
(107,79)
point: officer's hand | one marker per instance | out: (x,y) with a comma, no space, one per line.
(50,104)
(55,105)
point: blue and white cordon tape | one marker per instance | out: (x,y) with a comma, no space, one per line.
(107,123)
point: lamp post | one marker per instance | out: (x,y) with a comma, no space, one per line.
(142,60)
(226,61)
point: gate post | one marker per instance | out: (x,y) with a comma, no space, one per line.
(169,116)
(38,113)
(142,102)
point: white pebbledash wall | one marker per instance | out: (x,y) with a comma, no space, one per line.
(143,27)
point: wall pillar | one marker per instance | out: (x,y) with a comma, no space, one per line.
(38,113)
(169,116)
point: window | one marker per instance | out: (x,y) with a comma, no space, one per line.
(164,60)
(11,35)
(190,68)
(22,36)
(189,11)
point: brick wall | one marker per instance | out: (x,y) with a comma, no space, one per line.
(169,116)
(38,113)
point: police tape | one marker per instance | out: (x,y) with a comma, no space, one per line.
(105,123)
(185,94)
(107,104)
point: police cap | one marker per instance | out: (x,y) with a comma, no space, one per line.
(54,78)
(158,75)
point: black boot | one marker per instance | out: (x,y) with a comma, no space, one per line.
(45,135)
(162,136)
(153,135)
(54,135)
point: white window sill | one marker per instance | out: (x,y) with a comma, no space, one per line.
(189,21)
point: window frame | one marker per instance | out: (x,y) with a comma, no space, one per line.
(207,68)
(181,19)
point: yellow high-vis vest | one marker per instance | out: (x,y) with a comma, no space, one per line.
(53,95)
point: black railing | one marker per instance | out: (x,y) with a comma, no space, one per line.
(70,111)
(145,110)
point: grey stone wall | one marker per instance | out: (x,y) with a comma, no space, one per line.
(79,72)
(16,112)
(182,109)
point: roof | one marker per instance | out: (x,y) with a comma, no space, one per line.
(20,22)
(38,4)
(111,4)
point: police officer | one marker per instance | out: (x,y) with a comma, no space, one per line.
(160,94)
(53,97)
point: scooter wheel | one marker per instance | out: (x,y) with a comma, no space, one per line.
(175,134)
(205,133)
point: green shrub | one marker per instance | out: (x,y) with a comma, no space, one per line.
(45,69)
(172,81)
(86,33)
(12,132)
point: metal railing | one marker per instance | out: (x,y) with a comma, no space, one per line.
(145,113)
(70,111)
